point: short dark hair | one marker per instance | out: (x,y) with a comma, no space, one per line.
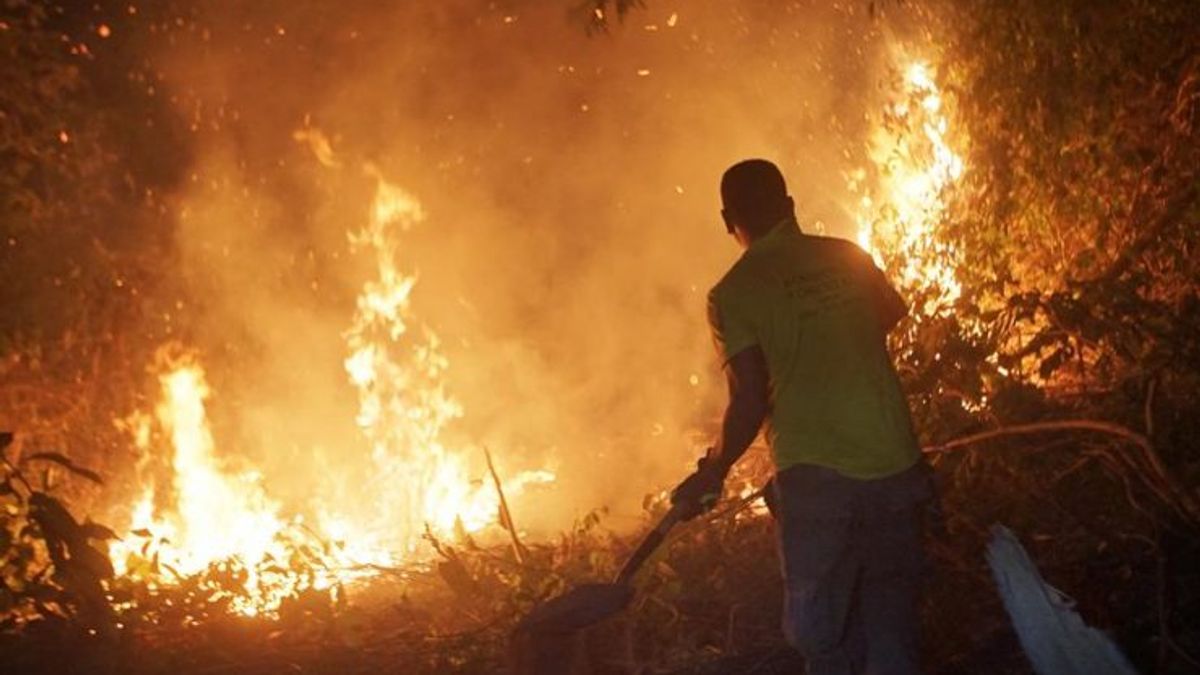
(754,189)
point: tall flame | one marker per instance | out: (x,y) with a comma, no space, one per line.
(220,524)
(916,165)
(398,369)
(210,521)
(221,515)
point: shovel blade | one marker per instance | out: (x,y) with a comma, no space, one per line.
(585,605)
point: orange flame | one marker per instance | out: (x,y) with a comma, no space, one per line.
(916,165)
(217,517)
(404,407)
(212,518)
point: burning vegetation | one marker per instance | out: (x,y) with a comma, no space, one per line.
(364,331)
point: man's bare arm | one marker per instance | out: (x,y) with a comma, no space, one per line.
(749,403)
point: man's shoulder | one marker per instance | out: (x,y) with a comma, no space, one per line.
(837,253)
(735,280)
(833,245)
(744,274)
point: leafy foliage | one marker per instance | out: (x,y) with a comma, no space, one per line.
(1078,211)
(49,565)
(54,176)
(1074,223)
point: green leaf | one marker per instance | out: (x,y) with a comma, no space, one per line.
(66,463)
(97,531)
(94,562)
(53,518)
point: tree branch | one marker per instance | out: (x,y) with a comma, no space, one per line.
(1159,479)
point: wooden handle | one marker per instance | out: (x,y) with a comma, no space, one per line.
(651,542)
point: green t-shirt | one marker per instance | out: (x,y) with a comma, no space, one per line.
(812,304)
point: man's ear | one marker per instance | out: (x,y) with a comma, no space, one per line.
(728,220)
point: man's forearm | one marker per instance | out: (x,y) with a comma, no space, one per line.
(743,418)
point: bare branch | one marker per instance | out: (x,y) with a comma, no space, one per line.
(1157,476)
(505,515)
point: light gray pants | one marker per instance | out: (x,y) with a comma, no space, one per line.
(852,564)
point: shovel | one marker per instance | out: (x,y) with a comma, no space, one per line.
(546,638)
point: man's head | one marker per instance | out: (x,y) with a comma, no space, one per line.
(754,199)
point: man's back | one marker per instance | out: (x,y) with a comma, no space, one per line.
(800,324)
(814,306)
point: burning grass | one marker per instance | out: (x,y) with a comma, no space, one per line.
(217,530)
(707,603)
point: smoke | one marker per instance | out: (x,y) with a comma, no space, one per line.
(572,225)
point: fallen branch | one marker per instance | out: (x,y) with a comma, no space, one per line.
(1038,428)
(1159,479)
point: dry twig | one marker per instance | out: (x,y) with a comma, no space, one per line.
(505,515)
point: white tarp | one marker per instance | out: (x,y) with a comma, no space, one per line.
(1054,636)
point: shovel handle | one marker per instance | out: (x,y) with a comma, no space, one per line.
(651,542)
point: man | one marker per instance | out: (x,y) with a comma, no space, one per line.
(799,322)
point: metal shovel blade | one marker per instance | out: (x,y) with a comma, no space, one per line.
(581,607)
(591,603)
(548,641)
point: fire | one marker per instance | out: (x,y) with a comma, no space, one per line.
(222,515)
(215,524)
(397,368)
(916,165)
(218,520)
